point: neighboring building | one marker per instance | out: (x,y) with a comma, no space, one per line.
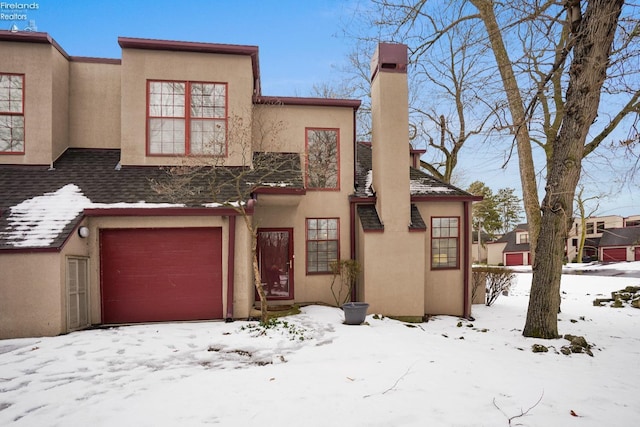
(510,249)
(620,244)
(595,228)
(85,240)
(479,252)
(608,238)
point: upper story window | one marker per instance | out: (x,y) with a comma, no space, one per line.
(187,118)
(323,153)
(11,113)
(600,227)
(522,238)
(590,228)
(445,242)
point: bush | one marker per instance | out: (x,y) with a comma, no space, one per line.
(497,280)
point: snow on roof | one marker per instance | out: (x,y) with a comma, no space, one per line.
(37,222)
(418,186)
(368,188)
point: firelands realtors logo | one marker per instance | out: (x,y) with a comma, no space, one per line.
(14,11)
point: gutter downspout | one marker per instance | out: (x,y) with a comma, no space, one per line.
(231,261)
(467,306)
(352,242)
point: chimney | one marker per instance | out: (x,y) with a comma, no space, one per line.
(390,135)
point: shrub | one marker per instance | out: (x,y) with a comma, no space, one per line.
(497,280)
(347,270)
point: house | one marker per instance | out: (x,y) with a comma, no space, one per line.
(479,251)
(510,249)
(87,239)
(620,244)
(594,228)
(607,238)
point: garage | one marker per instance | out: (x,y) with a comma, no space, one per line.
(614,254)
(514,259)
(637,254)
(161,274)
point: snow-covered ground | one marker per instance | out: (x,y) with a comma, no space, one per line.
(316,371)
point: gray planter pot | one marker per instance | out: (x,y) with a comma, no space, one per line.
(355,312)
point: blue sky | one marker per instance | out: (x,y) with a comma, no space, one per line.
(300,41)
(301,45)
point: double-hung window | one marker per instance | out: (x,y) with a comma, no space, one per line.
(11,113)
(322,244)
(187,118)
(445,242)
(323,153)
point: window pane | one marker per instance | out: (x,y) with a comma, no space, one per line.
(166,136)
(11,134)
(444,242)
(322,158)
(208,100)
(208,137)
(322,244)
(10,93)
(166,99)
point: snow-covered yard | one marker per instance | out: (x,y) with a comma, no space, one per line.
(315,371)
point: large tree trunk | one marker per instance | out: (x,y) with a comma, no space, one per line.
(594,38)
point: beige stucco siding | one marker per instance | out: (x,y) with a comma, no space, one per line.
(60,103)
(138,66)
(495,253)
(391,285)
(292,120)
(35,62)
(30,295)
(307,287)
(444,288)
(94,105)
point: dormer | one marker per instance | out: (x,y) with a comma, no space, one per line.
(184,99)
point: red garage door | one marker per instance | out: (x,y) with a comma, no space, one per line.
(637,257)
(161,274)
(614,254)
(515,259)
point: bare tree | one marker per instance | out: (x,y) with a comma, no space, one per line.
(540,50)
(594,35)
(251,142)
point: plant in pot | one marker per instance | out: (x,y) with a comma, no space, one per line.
(347,271)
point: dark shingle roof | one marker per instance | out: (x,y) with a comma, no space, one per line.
(510,240)
(626,236)
(369,218)
(91,176)
(421,183)
(417,223)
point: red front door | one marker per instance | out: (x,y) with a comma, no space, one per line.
(275,258)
